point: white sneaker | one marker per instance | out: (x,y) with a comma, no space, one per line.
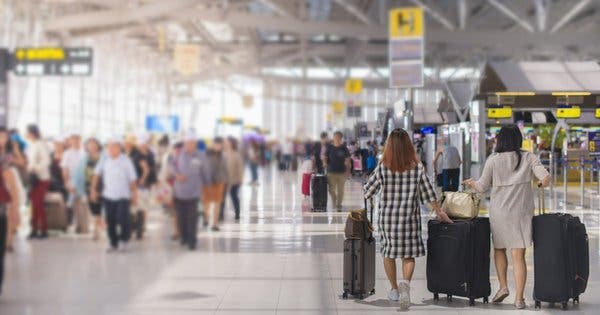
(394,295)
(404,296)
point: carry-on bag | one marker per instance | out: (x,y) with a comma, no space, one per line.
(560,257)
(319,192)
(461,205)
(56,211)
(359,258)
(458,259)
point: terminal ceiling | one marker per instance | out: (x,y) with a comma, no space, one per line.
(247,37)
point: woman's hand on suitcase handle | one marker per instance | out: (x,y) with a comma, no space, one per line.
(441,214)
(545,182)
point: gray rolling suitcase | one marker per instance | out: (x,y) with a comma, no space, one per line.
(359,263)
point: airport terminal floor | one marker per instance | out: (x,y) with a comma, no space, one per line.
(280,259)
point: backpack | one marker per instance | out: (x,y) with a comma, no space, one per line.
(358,226)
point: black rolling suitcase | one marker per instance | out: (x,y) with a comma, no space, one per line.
(359,262)
(458,259)
(560,257)
(318,188)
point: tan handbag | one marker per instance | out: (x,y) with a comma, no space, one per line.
(461,205)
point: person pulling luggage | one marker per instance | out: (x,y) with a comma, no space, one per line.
(397,179)
(508,173)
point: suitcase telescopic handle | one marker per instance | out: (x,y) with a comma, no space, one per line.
(541,199)
(367,208)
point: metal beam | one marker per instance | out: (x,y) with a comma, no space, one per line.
(355,11)
(435,14)
(576,9)
(512,15)
(463,9)
(541,13)
(277,8)
(118,16)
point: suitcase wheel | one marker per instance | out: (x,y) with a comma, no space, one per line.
(485,300)
(372,292)
(345,295)
(538,305)
(564,305)
(471,302)
(576,300)
(449,298)
(436,297)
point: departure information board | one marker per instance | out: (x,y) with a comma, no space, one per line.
(53,61)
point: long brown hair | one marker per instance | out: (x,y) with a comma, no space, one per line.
(399,153)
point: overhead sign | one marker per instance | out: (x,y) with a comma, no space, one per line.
(500,112)
(568,112)
(337,107)
(406,47)
(594,143)
(354,86)
(57,61)
(598,112)
(162,124)
(353,111)
(186,59)
(247,101)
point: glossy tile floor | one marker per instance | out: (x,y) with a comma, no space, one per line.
(281,259)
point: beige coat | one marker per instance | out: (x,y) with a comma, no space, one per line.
(235,168)
(511,199)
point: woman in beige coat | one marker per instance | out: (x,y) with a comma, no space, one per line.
(508,173)
(235,171)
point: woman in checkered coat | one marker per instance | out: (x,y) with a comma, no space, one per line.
(403,185)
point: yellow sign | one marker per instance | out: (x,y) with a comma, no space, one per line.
(337,107)
(592,146)
(40,54)
(499,113)
(353,86)
(570,112)
(406,22)
(598,112)
(527,145)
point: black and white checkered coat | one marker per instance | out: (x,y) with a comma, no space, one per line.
(399,209)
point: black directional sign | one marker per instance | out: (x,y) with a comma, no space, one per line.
(53,61)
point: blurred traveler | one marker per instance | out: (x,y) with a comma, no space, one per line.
(83,182)
(68,164)
(190,169)
(320,153)
(307,169)
(9,198)
(38,168)
(508,173)
(215,186)
(397,180)
(337,161)
(287,152)
(253,161)
(450,167)
(145,168)
(165,186)
(235,175)
(11,157)
(119,192)
(57,180)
